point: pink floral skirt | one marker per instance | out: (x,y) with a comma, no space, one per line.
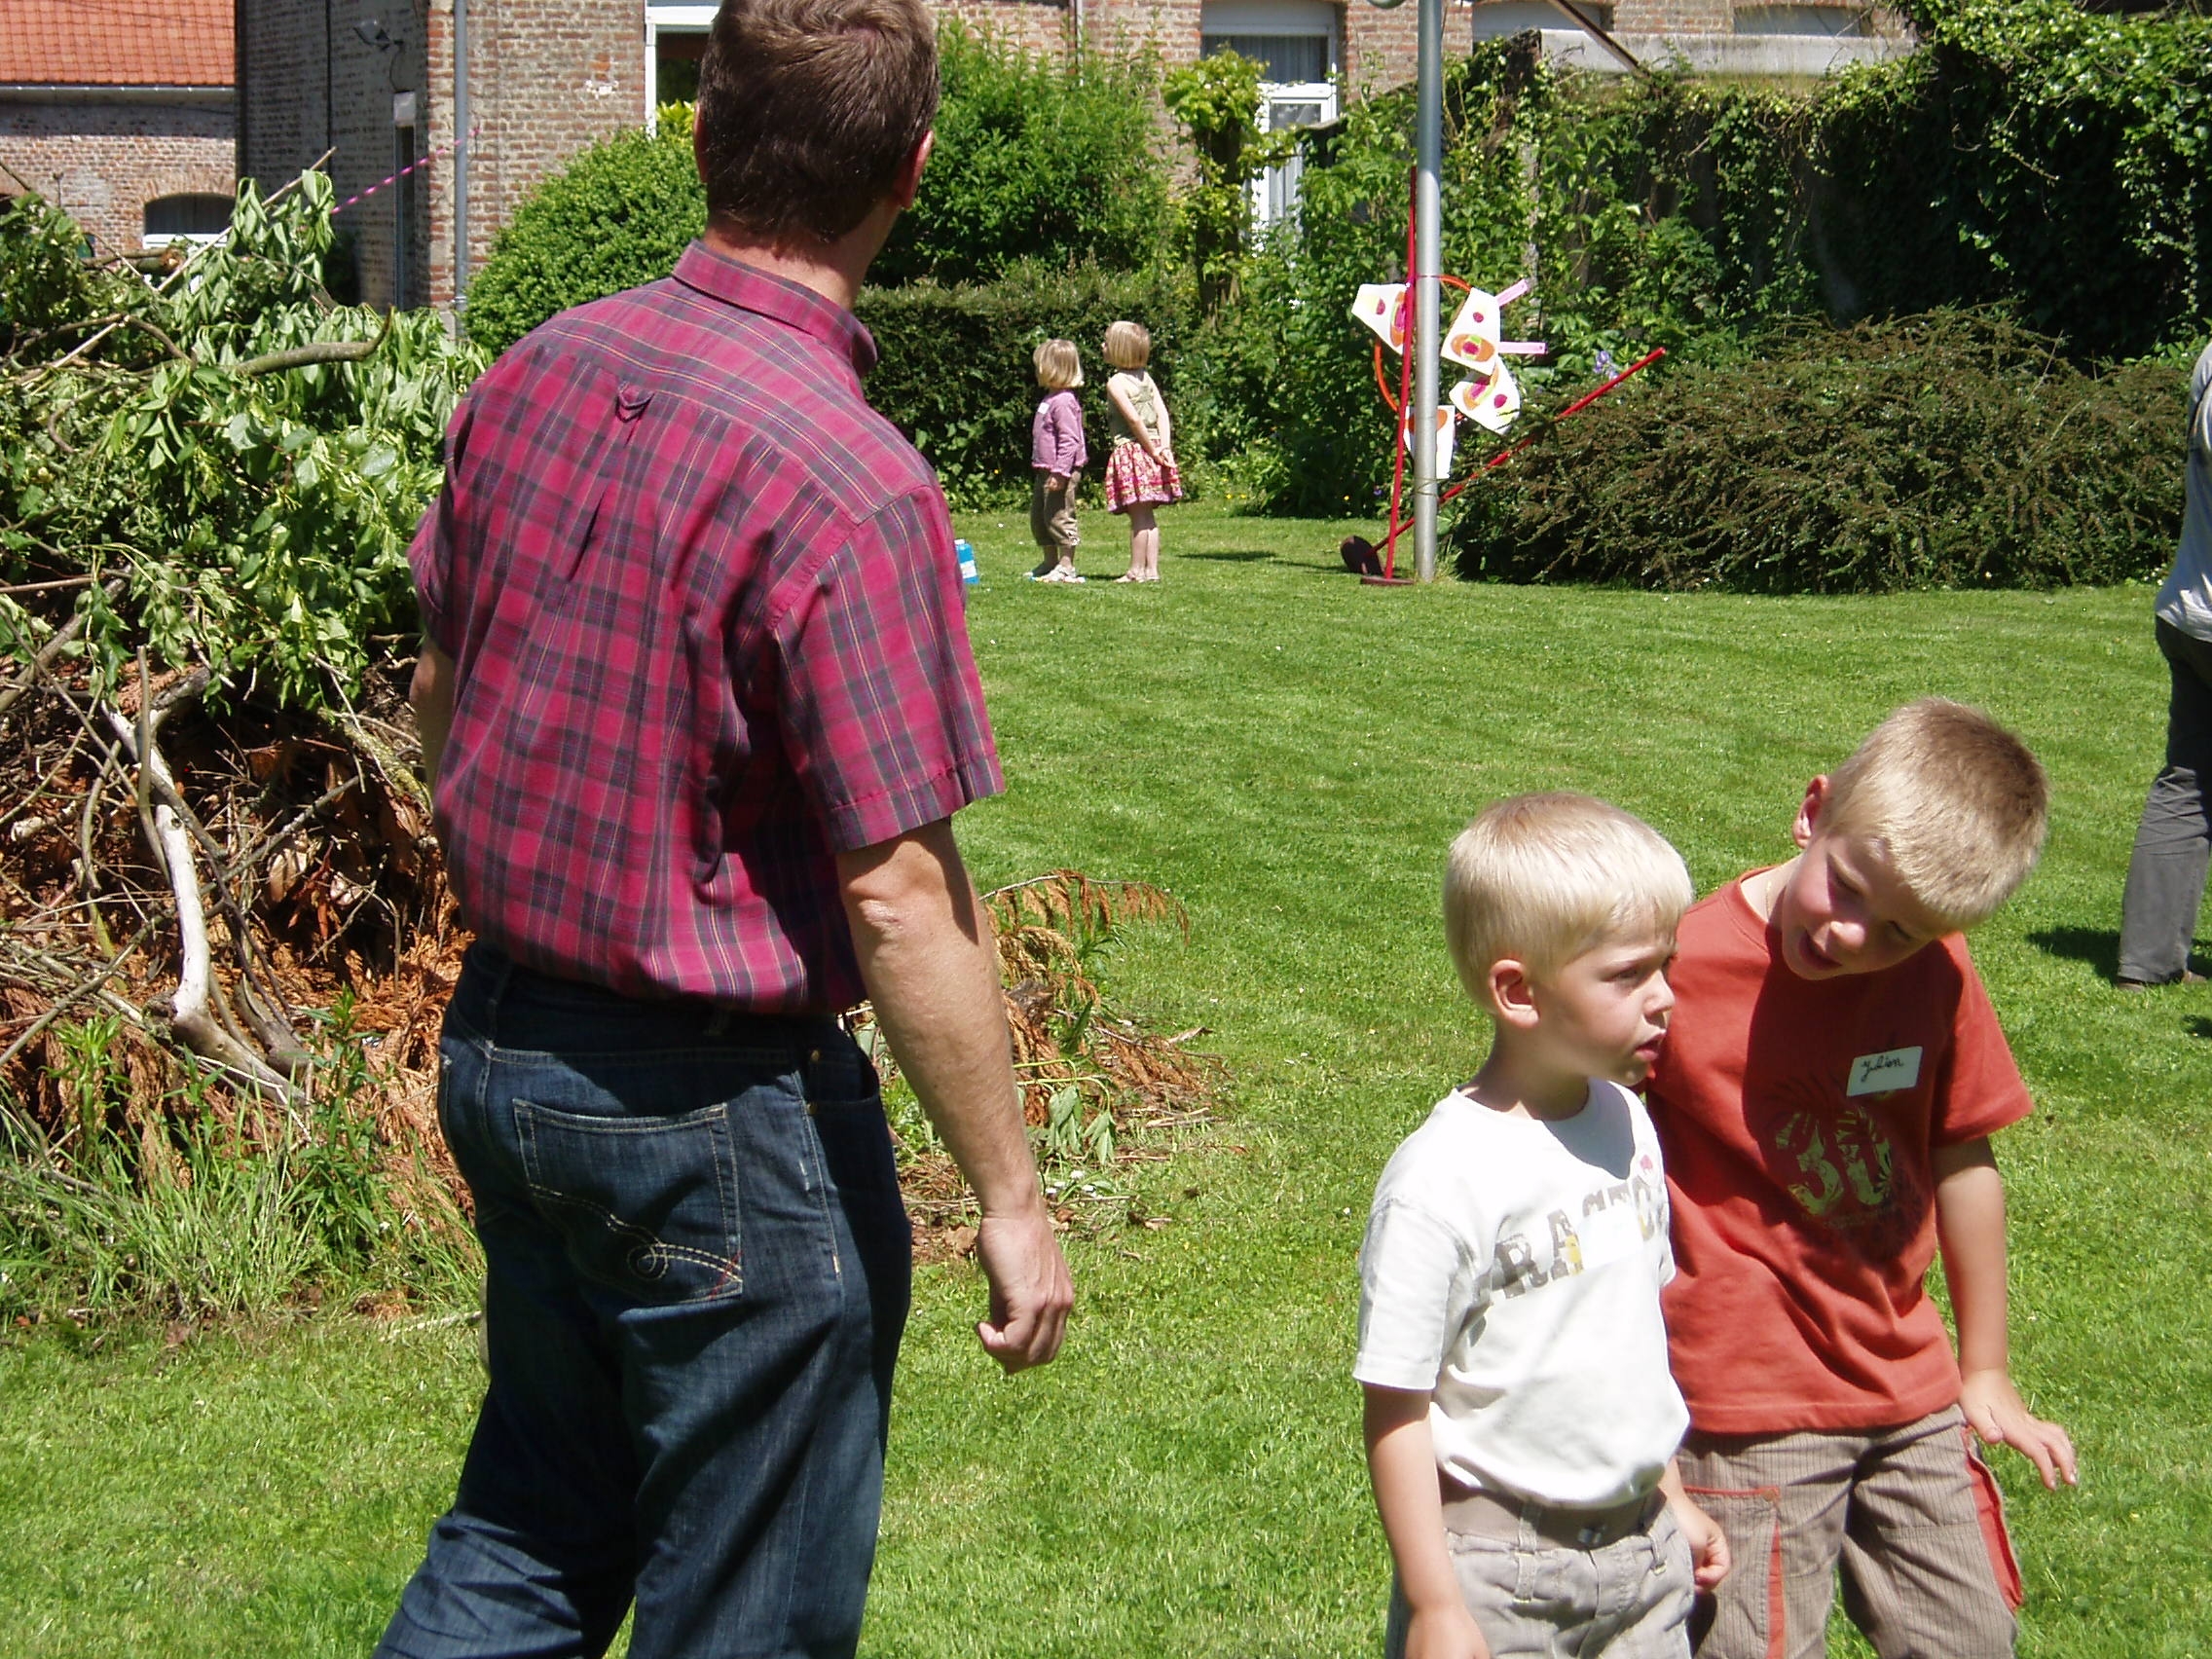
(1134,479)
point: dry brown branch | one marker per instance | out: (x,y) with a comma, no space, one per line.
(70,998)
(190,1013)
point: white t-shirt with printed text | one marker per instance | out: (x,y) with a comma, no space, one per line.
(1512,1270)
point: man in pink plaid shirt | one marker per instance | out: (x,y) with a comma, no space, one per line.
(698,706)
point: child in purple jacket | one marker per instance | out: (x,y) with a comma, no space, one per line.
(1056,457)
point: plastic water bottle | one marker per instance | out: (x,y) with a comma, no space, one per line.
(968,571)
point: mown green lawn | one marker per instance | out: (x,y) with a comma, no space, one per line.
(1290,753)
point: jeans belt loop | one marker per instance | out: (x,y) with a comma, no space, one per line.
(501,977)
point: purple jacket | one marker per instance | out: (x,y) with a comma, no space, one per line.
(1055,437)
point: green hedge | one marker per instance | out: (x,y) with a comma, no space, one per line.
(956,372)
(1953,450)
(1034,161)
(618,214)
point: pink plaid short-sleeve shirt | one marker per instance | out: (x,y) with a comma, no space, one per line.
(708,632)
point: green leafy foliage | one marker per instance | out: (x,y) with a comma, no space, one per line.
(2031,156)
(1035,161)
(956,372)
(1952,450)
(619,215)
(2034,153)
(248,511)
(1215,102)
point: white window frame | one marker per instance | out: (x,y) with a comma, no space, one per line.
(673,19)
(1283,180)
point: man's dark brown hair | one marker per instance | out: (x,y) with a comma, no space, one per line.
(809,108)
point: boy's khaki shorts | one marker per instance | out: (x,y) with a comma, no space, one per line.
(1532,1599)
(1912,1515)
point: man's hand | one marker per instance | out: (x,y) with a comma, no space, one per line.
(1056,481)
(430,693)
(1030,1289)
(1993,1405)
(931,971)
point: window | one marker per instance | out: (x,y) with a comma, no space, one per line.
(676,42)
(676,71)
(1295,44)
(1275,195)
(1290,59)
(193,217)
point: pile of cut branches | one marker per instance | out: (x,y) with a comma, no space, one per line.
(211,834)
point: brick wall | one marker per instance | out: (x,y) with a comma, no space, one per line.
(1672,17)
(283,114)
(548,77)
(1169,27)
(103,161)
(1043,28)
(305,89)
(1380,46)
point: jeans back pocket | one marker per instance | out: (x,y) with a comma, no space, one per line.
(646,1205)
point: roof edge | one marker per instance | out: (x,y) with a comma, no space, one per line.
(67,92)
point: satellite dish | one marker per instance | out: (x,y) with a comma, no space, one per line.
(1387,5)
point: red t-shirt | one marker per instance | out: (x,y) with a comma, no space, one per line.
(1797,1118)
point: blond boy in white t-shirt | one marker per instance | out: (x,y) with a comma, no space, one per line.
(1521,1421)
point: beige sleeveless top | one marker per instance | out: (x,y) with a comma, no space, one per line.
(1144,399)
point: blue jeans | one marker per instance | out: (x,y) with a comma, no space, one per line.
(697,1272)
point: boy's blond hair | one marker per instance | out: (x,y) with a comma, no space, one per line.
(1542,879)
(1058,367)
(1128,345)
(1954,800)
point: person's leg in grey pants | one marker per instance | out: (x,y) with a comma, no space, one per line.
(2165,875)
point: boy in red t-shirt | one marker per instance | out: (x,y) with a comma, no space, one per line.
(1825,1100)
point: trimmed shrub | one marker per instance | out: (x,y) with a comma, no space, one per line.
(956,373)
(1953,450)
(1034,161)
(617,215)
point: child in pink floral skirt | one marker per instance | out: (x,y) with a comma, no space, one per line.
(1140,469)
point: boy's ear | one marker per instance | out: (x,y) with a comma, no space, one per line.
(1808,821)
(1512,994)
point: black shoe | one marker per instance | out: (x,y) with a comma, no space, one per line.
(2188,978)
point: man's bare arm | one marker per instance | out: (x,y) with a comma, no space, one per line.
(931,967)
(430,693)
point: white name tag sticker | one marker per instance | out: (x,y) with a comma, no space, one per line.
(1885,1073)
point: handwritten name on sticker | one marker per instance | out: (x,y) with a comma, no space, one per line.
(1885,1073)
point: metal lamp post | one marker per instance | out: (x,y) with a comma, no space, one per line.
(1429,262)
